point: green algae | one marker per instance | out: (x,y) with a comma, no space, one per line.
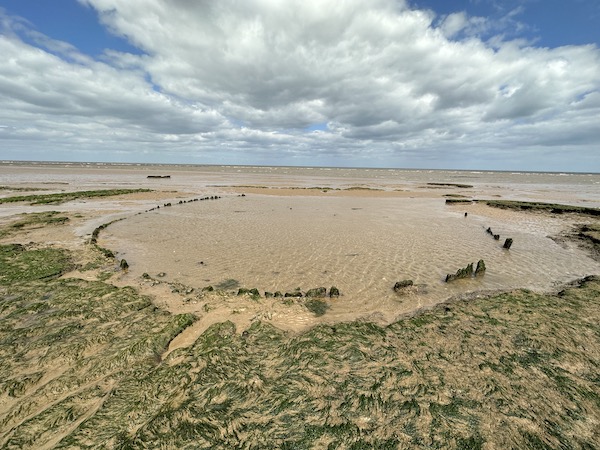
(554,208)
(43,199)
(456,185)
(33,220)
(84,364)
(17,264)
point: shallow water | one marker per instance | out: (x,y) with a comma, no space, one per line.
(360,245)
(359,241)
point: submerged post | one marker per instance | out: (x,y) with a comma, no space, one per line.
(480,270)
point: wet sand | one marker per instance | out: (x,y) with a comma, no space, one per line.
(302,231)
(88,364)
(361,245)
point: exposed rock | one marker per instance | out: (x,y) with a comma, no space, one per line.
(497,237)
(161,275)
(507,243)
(277,294)
(145,276)
(268,294)
(208,289)
(123,265)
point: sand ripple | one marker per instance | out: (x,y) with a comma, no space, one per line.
(361,245)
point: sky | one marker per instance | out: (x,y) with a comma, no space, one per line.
(466,84)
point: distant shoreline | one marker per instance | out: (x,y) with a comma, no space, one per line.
(200,165)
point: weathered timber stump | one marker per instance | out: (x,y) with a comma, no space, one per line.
(480,270)
(401,286)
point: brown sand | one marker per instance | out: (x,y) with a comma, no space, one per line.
(211,308)
(176,295)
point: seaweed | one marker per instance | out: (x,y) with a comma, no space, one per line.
(33,220)
(89,365)
(43,199)
(17,264)
(544,207)
(316,306)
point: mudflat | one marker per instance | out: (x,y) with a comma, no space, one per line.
(187,343)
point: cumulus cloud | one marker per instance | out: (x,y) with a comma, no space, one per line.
(388,83)
(459,23)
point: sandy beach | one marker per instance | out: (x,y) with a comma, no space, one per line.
(193,240)
(360,231)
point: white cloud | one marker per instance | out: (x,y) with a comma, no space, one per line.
(460,23)
(391,82)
